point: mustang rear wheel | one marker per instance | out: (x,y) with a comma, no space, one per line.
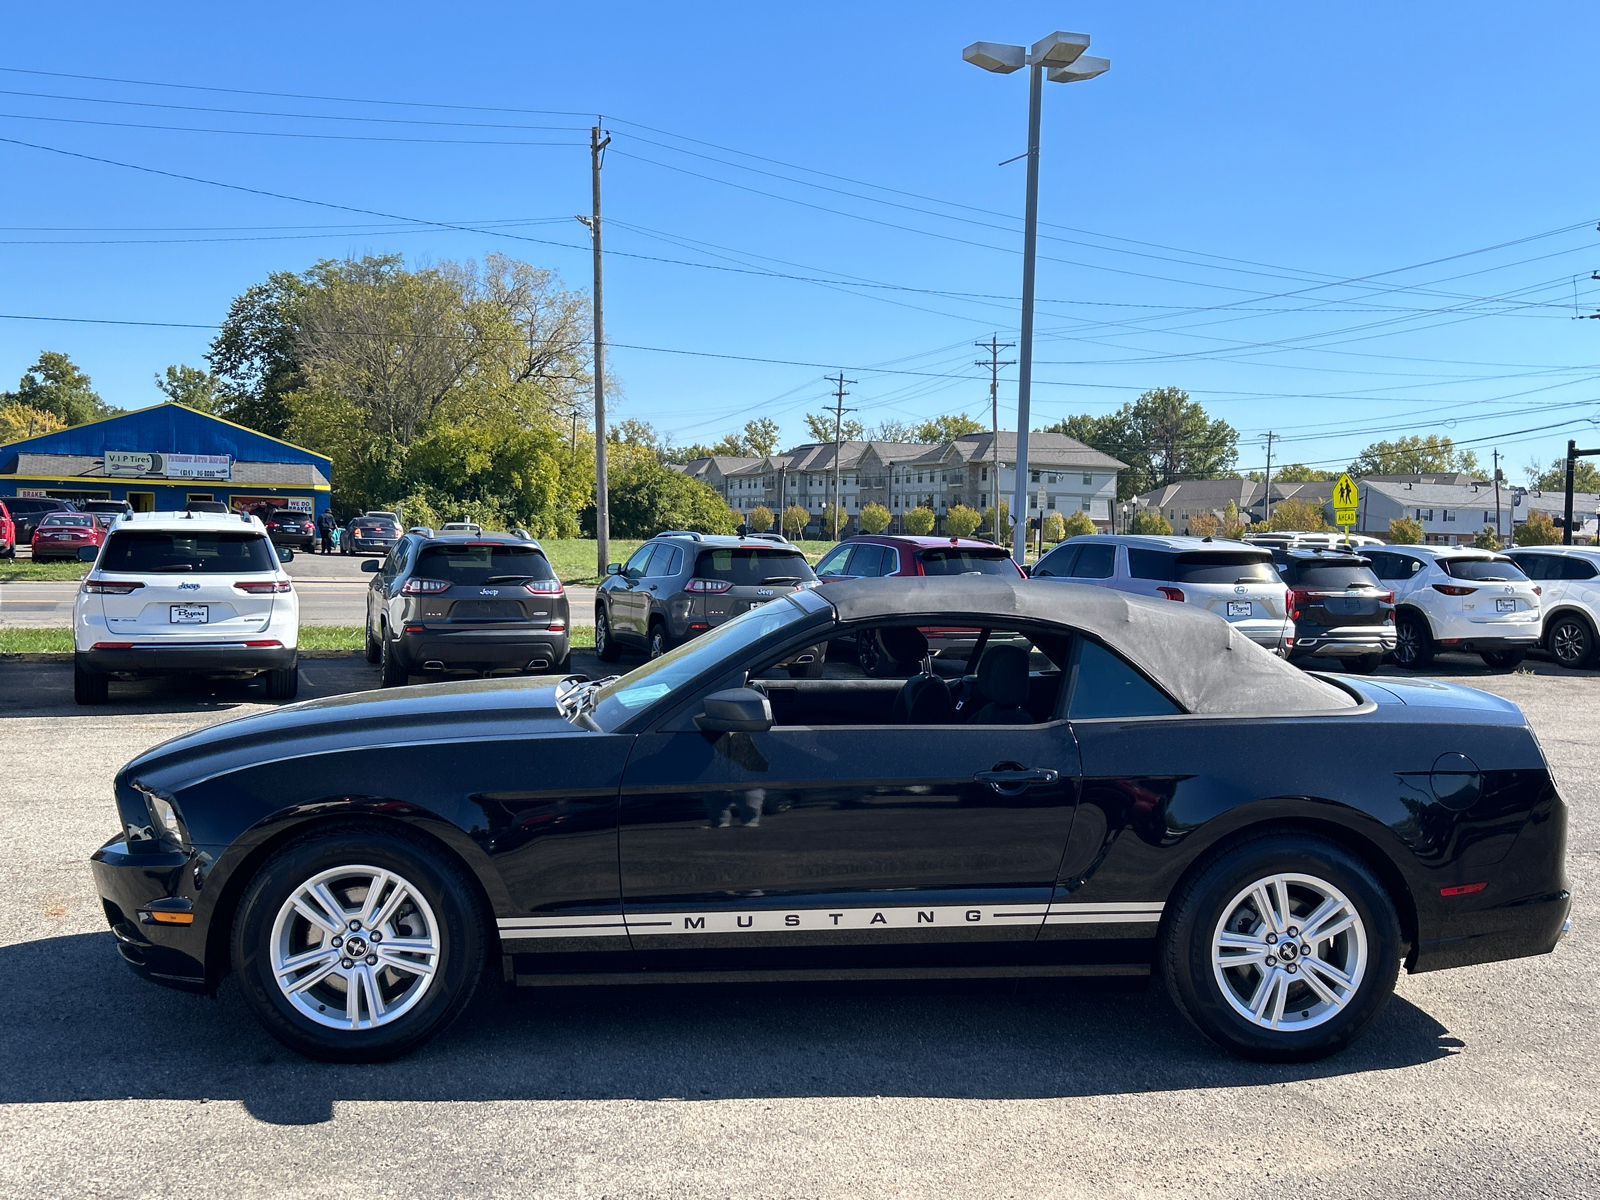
(1284,949)
(357,946)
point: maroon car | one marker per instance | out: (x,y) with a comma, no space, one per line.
(876,555)
(62,535)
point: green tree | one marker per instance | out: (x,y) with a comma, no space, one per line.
(825,520)
(647,497)
(760,519)
(945,429)
(1001,531)
(56,385)
(191,387)
(1585,476)
(1403,531)
(1303,516)
(1232,525)
(631,431)
(1487,539)
(760,437)
(1076,525)
(874,518)
(1537,530)
(961,521)
(919,521)
(18,421)
(795,520)
(1163,436)
(820,428)
(1415,455)
(1147,522)
(1204,524)
(255,354)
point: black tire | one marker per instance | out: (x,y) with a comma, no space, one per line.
(1413,647)
(459,931)
(873,658)
(564,667)
(1194,918)
(392,674)
(1503,660)
(89,687)
(1366,664)
(605,646)
(284,683)
(1571,641)
(659,641)
(374,653)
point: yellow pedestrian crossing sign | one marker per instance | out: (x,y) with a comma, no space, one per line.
(1346,499)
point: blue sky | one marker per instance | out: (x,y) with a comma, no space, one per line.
(1203,200)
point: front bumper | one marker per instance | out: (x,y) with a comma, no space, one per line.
(222,658)
(521,649)
(172,955)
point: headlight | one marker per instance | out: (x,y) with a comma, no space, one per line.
(165,821)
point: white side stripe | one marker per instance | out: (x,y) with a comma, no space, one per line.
(812,919)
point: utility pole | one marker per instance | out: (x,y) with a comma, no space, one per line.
(1497,536)
(576,413)
(602,499)
(994,345)
(1267,511)
(839,411)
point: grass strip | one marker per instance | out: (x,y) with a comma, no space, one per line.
(18,640)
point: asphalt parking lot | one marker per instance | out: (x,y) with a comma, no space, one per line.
(1478,1082)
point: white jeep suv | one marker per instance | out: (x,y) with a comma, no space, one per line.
(1570,577)
(186,594)
(1458,598)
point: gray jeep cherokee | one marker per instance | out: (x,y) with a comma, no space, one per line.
(679,584)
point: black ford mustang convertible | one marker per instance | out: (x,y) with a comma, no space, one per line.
(1082,783)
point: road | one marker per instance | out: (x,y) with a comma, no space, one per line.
(332,591)
(1482,1082)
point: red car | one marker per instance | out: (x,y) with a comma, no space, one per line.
(8,533)
(880,554)
(62,535)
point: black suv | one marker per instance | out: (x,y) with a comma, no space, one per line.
(679,584)
(483,602)
(1340,609)
(291,527)
(28,511)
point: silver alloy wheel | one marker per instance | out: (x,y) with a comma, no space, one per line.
(602,632)
(1569,642)
(658,641)
(355,947)
(1406,648)
(1289,953)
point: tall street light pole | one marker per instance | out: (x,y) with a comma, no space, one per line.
(1061,56)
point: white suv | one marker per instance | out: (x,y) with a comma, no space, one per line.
(1570,577)
(1235,581)
(186,594)
(1458,598)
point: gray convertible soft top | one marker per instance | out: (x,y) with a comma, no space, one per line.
(1202,662)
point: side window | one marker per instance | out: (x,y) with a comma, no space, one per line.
(661,562)
(1407,566)
(1058,562)
(1386,566)
(874,560)
(1537,566)
(836,560)
(1103,685)
(1149,564)
(395,563)
(641,557)
(890,563)
(1576,568)
(1097,560)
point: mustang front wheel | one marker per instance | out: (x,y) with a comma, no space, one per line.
(357,946)
(1284,949)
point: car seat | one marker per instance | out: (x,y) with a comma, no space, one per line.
(1003,678)
(924,699)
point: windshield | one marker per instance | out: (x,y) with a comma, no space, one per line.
(68,519)
(967,561)
(622,697)
(472,565)
(288,514)
(1483,570)
(149,552)
(742,566)
(375,525)
(1210,566)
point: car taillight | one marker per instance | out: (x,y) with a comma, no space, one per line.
(1386,597)
(265,644)
(113,646)
(1451,589)
(264,587)
(1171,593)
(544,587)
(558,626)
(1537,590)
(424,587)
(707,585)
(107,587)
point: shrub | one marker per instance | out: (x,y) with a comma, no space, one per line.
(1403,531)
(1149,523)
(1204,524)
(919,521)
(825,521)
(962,521)
(1232,525)
(1300,516)
(1537,530)
(1001,532)
(1075,525)
(1487,539)
(874,518)
(795,520)
(760,519)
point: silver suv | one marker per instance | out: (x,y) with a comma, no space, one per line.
(1235,581)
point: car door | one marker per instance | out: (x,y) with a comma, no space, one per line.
(844,846)
(629,599)
(1058,563)
(1096,564)
(379,591)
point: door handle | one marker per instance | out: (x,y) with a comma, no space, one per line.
(1014,783)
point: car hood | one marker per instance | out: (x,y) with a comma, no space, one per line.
(432,712)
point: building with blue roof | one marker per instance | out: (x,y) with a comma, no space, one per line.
(161,458)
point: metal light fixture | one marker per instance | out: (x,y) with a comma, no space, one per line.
(1060,56)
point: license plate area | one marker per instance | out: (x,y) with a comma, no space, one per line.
(1505,606)
(1240,608)
(189,614)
